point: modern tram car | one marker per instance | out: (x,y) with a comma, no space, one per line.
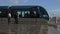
(24,11)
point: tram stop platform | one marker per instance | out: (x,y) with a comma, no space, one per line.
(25,26)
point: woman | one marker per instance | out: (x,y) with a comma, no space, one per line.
(9,16)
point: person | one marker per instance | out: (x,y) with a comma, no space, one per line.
(9,16)
(16,16)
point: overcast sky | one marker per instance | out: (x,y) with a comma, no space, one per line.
(52,6)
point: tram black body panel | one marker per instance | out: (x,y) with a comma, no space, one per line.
(40,11)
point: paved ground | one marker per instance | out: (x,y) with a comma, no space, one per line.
(32,27)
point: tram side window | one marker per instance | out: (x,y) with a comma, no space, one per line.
(33,14)
(27,14)
(43,12)
(0,12)
(3,14)
(24,14)
(19,13)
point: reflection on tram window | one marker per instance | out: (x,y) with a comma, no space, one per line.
(0,13)
(19,12)
(27,13)
(22,13)
(34,13)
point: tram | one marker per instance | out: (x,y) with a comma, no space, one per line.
(31,20)
(25,11)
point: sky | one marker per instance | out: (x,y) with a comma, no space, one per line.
(52,6)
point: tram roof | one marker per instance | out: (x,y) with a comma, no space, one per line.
(17,7)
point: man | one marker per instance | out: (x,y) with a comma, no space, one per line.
(16,16)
